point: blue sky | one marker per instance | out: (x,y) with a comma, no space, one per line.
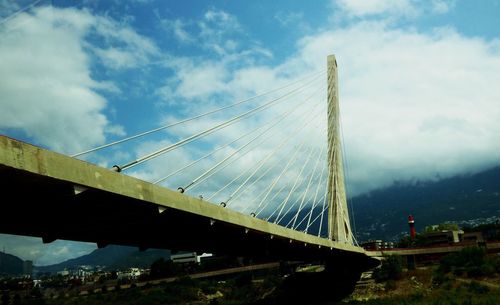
(418,81)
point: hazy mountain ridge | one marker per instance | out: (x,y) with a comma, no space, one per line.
(382,214)
(112,257)
(10,264)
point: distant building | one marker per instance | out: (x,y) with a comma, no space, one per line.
(473,237)
(63,272)
(131,273)
(375,245)
(188,257)
(444,237)
(28,268)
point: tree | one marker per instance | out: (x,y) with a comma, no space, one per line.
(419,241)
(391,269)
(472,261)
(162,268)
(5,298)
(442,227)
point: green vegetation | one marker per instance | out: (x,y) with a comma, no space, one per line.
(462,294)
(391,269)
(10,264)
(491,231)
(429,202)
(442,227)
(470,262)
(468,277)
(419,241)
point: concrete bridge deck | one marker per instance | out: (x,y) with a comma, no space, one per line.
(39,199)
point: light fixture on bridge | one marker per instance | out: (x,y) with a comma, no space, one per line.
(161,209)
(77,189)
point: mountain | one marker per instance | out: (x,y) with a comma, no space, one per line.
(10,264)
(112,257)
(382,214)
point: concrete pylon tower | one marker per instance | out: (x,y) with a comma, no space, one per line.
(339,228)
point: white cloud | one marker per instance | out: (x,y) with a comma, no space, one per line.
(442,6)
(7,8)
(362,8)
(414,105)
(126,48)
(32,248)
(47,90)
(178,27)
(289,18)
(202,80)
(216,31)
(391,8)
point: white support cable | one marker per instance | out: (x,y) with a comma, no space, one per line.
(213,170)
(284,202)
(313,172)
(290,208)
(271,187)
(294,184)
(230,162)
(210,130)
(288,211)
(261,163)
(275,181)
(325,207)
(319,216)
(244,172)
(290,161)
(14,14)
(263,207)
(311,212)
(314,201)
(240,175)
(350,202)
(275,120)
(231,182)
(197,179)
(188,119)
(270,200)
(286,140)
(224,166)
(211,153)
(316,196)
(340,210)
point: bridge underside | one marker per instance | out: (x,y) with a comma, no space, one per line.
(39,199)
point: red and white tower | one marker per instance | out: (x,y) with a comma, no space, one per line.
(411,223)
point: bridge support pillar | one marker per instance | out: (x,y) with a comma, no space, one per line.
(411,262)
(339,228)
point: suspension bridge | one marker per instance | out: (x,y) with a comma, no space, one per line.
(290,204)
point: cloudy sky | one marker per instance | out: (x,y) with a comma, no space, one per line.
(418,84)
